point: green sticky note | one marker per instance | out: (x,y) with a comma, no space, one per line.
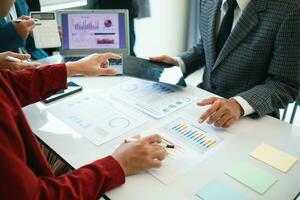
(254,178)
(216,190)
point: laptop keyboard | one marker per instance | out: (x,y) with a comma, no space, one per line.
(111,61)
(72,59)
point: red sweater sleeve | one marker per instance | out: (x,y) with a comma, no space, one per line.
(87,183)
(33,85)
(19,181)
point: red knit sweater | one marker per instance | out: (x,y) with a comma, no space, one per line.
(24,172)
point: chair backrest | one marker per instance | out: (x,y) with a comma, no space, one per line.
(298,99)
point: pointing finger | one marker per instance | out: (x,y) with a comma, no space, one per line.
(208,112)
(208,101)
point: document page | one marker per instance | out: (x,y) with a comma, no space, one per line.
(192,144)
(97,118)
(156,99)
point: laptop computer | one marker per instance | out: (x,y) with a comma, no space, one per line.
(94,31)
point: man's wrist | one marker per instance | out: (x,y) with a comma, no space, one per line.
(71,69)
(120,161)
(247,108)
(180,63)
(238,107)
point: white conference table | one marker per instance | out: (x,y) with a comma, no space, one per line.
(243,137)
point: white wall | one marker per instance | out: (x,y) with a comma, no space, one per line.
(165,31)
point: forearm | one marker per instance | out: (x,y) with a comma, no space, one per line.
(9,38)
(36,84)
(88,182)
(271,96)
(193,58)
(73,68)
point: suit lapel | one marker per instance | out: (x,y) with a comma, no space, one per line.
(245,24)
(212,16)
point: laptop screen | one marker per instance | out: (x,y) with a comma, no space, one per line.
(93,31)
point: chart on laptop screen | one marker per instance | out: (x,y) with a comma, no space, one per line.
(93,31)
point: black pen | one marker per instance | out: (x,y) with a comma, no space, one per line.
(169,146)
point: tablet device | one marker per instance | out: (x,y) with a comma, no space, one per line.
(72,88)
(297,197)
(153,71)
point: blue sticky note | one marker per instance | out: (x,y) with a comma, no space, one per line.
(216,190)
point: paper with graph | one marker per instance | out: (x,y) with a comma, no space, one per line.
(155,99)
(191,146)
(96,117)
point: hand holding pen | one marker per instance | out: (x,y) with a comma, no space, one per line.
(141,155)
(164,143)
(16,62)
(24,25)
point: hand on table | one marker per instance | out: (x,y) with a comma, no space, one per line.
(16,66)
(144,154)
(24,27)
(93,65)
(222,112)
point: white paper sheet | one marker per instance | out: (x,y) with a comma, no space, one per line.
(189,150)
(155,99)
(97,118)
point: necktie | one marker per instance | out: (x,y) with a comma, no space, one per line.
(226,25)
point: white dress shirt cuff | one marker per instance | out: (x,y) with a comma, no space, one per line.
(181,63)
(248,110)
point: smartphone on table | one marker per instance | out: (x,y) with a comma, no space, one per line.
(72,89)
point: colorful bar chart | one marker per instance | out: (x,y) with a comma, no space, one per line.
(193,134)
(86,25)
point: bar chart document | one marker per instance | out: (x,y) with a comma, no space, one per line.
(192,145)
(156,99)
(97,118)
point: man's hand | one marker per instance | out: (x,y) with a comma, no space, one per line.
(222,112)
(16,66)
(144,154)
(164,59)
(24,27)
(93,65)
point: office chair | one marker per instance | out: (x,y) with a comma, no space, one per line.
(297,103)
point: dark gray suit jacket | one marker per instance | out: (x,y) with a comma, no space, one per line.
(260,60)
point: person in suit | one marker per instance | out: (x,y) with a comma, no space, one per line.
(137,9)
(16,36)
(250,52)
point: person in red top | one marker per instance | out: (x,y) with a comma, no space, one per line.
(24,171)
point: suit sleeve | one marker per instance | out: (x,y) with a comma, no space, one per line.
(194,58)
(9,38)
(36,84)
(88,182)
(282,84)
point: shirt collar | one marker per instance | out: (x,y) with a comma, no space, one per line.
(241,3)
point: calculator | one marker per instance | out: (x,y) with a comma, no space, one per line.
(45,32)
